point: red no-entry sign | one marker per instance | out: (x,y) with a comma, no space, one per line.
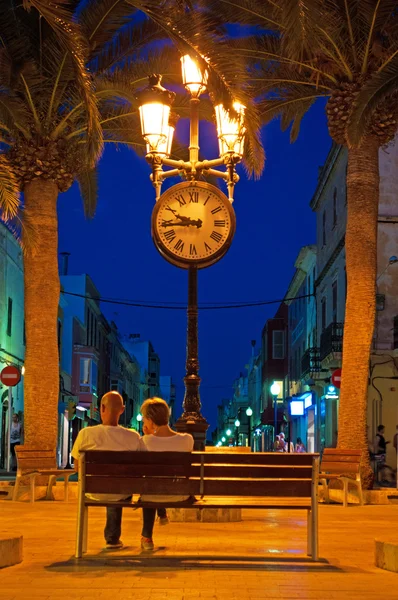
(336,378)
(10,376)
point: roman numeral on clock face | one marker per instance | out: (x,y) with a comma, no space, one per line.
(179,245)
(181,200)
(216,210)
(193,196)
(220,223)
(207,247)
(170,235)
(206,201)
(216,236)
(192,249)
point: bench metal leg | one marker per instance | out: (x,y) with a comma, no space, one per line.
(81,509)
(309,534)
(32,487)
(325,490)
(51,481)
(360,493)
(16,488)
(66,488)
(85,533)
(345,492)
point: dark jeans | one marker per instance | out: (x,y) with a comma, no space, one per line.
(113,527)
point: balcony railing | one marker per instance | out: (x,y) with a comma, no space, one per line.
(310,363)
(332,340)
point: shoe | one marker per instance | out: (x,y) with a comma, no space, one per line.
(117,546)
(164,520)
(147,543)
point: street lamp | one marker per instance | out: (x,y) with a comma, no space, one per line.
(237,425)
(249,413)
(157,127)
(223,439)
(139,419)
(275,391)
(228,432)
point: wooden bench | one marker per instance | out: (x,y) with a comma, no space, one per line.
(211,480)
(28,459)
(344,466)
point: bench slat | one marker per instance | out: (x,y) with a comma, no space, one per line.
(96,484)
(342,452)
(152,458)
(241,471)
(256,458)
(213,487)
(221,502)
(337,467)
(342,459)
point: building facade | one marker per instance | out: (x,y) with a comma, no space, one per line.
(12,331)
(330,204)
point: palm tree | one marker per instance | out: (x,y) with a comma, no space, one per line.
(345,51)
(69,73)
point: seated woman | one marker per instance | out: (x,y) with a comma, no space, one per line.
(159,438)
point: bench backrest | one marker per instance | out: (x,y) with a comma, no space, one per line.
(198,473)
(31,458)
(336,461)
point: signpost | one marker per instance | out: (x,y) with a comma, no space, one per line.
(9,376)
(336,378)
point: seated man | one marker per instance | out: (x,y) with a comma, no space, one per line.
(109,436)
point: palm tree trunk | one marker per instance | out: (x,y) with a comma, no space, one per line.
(42,288)
(361,264)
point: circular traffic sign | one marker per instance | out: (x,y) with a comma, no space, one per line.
(336,378)
(10,376)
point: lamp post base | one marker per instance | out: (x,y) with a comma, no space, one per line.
(197,426)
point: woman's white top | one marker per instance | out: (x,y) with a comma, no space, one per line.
(181,442)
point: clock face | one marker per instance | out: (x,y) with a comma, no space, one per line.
(193,223)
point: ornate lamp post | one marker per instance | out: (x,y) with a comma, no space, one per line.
(193,222)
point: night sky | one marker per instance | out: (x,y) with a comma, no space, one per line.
(273,222)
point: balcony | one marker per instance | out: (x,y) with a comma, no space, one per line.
(310,363)
(332,342)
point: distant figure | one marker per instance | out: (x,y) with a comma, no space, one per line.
(15,439)
(299,446)
(286,447)
(395,440)
(278,447)
(380,444)
(109,436)
(380,452)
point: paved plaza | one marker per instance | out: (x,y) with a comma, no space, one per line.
(261,557)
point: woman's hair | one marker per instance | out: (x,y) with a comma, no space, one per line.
(299,441)
(157,410)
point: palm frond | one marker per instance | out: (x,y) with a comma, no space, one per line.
(127,44)
(25,231)
(60,19)
(9,191)
(88,185)
(380,85)
(101,20)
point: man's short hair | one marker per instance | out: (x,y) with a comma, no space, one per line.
(157,410)
(380,428)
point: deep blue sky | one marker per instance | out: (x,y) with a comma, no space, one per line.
(273,222)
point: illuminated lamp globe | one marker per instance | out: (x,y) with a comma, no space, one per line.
(228,432)
(192,77)
(237,423)
(249,411)
(154,107)
(275,389)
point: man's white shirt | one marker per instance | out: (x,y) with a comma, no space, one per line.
(107,437)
